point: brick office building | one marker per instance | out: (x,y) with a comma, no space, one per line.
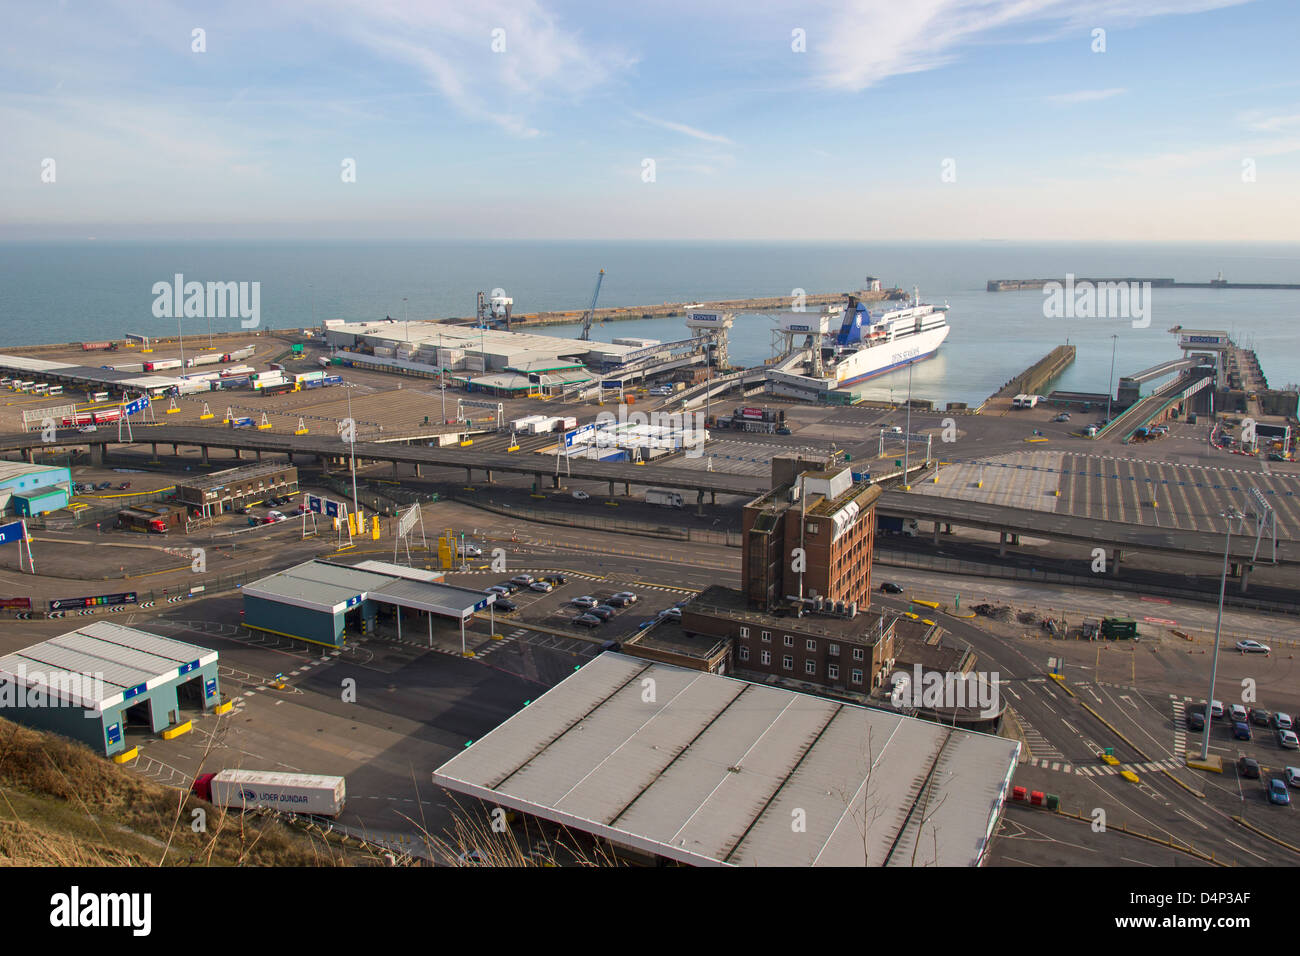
(828,515)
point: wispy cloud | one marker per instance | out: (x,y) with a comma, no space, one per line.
(1266,121)
(1084,96)
(685,130)
(869,41)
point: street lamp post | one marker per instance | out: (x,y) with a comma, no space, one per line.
(1110,389)
(907,437)
(1232,514)
(356,506)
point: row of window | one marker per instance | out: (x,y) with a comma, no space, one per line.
(809,644)
(809,666)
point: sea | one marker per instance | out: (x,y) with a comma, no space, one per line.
(94,289)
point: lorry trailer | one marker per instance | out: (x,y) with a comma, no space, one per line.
(292,792)
(904,526)
(662,496)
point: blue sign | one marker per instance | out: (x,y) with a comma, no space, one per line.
(570,436)
(313,503)
(135,691)
(114,732)
(186,668)
(139,405)
(353,601)
(331,508)
(11,532)
(481,604)
(210,687)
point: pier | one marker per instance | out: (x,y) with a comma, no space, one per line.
(1015,285)
(1036,377)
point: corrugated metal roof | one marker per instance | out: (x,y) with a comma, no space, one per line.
(713,770)
(317,584)
(437,598)
(103,657)
(401,571)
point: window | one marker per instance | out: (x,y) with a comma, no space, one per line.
(744,632)
(766,657)
(857,653)
(833,671)
(767,635)
(788,662)
(810,667)
(744,653)
(810,644)
(857,676)
(789,640)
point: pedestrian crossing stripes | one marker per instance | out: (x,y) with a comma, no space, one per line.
(1038,744)
(1180,726)
(1064,766)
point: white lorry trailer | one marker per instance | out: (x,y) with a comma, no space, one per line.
(662,496)
(290,792)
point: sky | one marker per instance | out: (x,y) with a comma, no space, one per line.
(866,120)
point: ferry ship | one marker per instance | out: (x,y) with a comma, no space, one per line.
(870,344)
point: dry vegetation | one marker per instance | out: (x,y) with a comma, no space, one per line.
(63,805)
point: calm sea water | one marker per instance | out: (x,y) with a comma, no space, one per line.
(72,291)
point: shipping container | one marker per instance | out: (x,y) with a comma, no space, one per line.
(291,792)
(333,380)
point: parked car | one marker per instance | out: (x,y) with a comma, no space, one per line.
(671,613)
(1292,775)
(501,604)
(584,602)
(602,611)
(1063,417)
(104,486)
(510,586)
(1238,713)
(1196,720)
(1241,730)
(542,586)
(1253,647)
(588,620)
(523,580)
(622,599)
(784,431)
(472,552)
(1248,767)
(890,588)
(1286,739)
(1282,721)
(277,516)
(580,495)
(611,646)
(1216,709)
(498,589)
(1260,717)
(1278,793)
(556,579)
(124,486)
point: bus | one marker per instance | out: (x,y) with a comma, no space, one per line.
(40,388)
(56,390)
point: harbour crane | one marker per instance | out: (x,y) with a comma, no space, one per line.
(587,316)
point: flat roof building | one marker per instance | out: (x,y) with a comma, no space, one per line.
(233,488)
(321,602)
(95,683)
(708,770)
(27,489)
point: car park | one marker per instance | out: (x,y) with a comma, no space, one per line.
(890,588)
(1253,647)
(584,602)
(1237,713)
(1292,775)
(1278,793)
(1286,739)
(1248,767)
(1241,730)
(588,620)
(542,586)
(1282,721)
(1260,717)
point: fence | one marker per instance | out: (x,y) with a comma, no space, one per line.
(731,539)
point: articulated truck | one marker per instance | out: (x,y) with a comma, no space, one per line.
(291,792)
(904,526)
(664,497)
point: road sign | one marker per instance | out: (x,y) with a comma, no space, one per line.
(408,520)
(98,600)
(11,532)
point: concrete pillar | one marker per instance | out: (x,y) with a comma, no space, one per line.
(394,468)
(627,491)
(27,456)
(291,458)
(469,475)
(713,497)
(937,525)
(415,467)
(1245,577)
(175,451)
(259,454)
(489,476)
(555,483)
(154,446)
(699,502)
(1002,544)
(96,455)
(611,489)
(1114,563)
(203,453)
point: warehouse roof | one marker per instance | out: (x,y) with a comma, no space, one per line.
(20,469)
(322,586)
(444,599)
(102,664)
(85,373)
(711,770)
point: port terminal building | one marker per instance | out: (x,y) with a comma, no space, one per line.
(28,489)
(322,603)
(102,682)
(677,764)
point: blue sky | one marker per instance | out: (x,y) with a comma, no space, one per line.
(750,139)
